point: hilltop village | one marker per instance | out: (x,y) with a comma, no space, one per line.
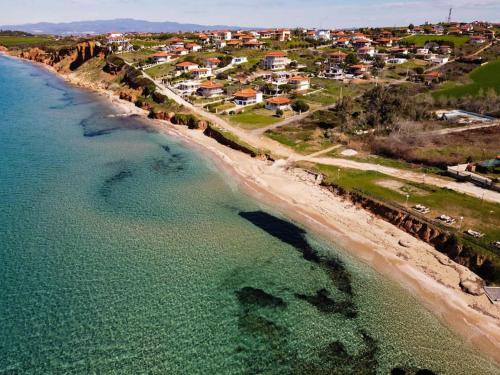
(401,121)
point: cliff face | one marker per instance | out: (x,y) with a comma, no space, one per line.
(445,242)
(66,59)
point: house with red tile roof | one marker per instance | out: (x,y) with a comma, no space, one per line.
(210,89)
(201,73)
(212,62)
(299,83)
(247,97)
(186,66)
(338,57)
(278,102)
(276,60)
(192,47)
(161,57)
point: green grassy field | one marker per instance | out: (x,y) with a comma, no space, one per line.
(484,77)
(24,41)
(253,118)
(478,215)
(420,40)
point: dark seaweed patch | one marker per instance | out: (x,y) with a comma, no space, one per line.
(108,185)
(97,125)
(257,297)
(324,303)
(335,359)
(167,166)
(296,236)
(166,148)
(264,342)
(411,371)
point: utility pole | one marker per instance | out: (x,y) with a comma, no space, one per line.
(449,15)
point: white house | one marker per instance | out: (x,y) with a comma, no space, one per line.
(275,61)
(220,44)
(422,51)
(201,73)
(161,57)
(440,60)
(188,87)
(477,39)
(209,89)
(396,60)
(299,83)
(247,97)
(278,102)
(366,52)
(193,47)
(239,60)
(212,62)
(334,72)
(186,66)
(324,35)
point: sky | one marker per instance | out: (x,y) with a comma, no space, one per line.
(253,13)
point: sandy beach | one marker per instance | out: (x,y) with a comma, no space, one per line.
(427,274)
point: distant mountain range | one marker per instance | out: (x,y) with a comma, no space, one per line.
(117,25)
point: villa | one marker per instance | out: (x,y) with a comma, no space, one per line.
(212,62)
(193,47)
(359,69)
(338,57)
(299,83)
(162,57)
(201,73)
(278,103)
(247,97)
(210,89)
(186,66)
(334,72)
(366,52)
(275,61)
(361,42)
(188,87)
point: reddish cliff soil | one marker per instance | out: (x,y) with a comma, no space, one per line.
(66,59)
(444,241)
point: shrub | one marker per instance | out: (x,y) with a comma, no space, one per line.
(159,98)
(279,113)
(300,106)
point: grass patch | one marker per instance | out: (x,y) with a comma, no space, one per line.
(253,118)
(478,215)
(485,77)
(160,70)
(25,41)
(420,40)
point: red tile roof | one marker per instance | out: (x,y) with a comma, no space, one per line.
(299,78)
(186,63)
(279,100)
(276,54)
(246,93)
(211,85)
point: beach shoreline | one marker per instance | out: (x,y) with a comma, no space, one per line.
(427,274)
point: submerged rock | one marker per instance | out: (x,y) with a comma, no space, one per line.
(258,297)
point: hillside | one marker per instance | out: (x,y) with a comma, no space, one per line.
(116,25)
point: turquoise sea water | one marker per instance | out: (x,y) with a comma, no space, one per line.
(122,251)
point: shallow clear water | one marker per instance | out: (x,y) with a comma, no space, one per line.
(122,251)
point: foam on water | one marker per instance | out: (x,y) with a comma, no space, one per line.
(124,252)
